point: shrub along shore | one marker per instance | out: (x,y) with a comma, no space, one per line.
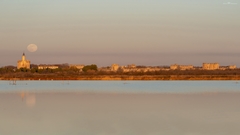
(72,74)
(30,76)
(126,77)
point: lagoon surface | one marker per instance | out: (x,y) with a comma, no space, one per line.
(120,107)
(121,86)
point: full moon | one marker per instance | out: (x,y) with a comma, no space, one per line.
(32,48)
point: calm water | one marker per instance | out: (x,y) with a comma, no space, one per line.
(122,86)
(120,108)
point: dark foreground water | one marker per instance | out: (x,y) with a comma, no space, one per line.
(120,108)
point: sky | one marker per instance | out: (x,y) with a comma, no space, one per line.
(103,32)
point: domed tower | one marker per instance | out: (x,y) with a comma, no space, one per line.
(23,63)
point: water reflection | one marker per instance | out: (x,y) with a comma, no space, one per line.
(28,98)
(22,95)
(119,114)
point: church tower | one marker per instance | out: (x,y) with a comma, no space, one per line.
(23,57)
(23,63)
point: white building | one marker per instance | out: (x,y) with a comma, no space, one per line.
(47,67)
(210,66)
(23,63)
(114,67)
(78,66)
(181,67)
(232,67)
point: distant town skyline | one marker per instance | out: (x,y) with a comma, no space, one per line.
(25,63)
(147,32)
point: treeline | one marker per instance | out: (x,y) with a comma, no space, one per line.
(93,70)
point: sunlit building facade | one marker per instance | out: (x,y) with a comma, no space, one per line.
(23,63)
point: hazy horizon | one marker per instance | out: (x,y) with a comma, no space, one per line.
(147,32)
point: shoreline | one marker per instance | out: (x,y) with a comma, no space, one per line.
(129,77)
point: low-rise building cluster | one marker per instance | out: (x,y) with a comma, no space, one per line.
(128,68)
(134,68)
(47,67)
(181,67)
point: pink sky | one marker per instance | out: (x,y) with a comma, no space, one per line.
(124,32)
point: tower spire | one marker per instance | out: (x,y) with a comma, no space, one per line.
(23,57)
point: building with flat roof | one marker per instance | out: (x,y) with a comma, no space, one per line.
(114,67)
(181,67)
(210,66)
(78,66)
(47,67)
(232,67)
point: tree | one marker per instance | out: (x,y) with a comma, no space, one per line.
(90,67)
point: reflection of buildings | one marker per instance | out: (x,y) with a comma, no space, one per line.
(23,63)
(29,98)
